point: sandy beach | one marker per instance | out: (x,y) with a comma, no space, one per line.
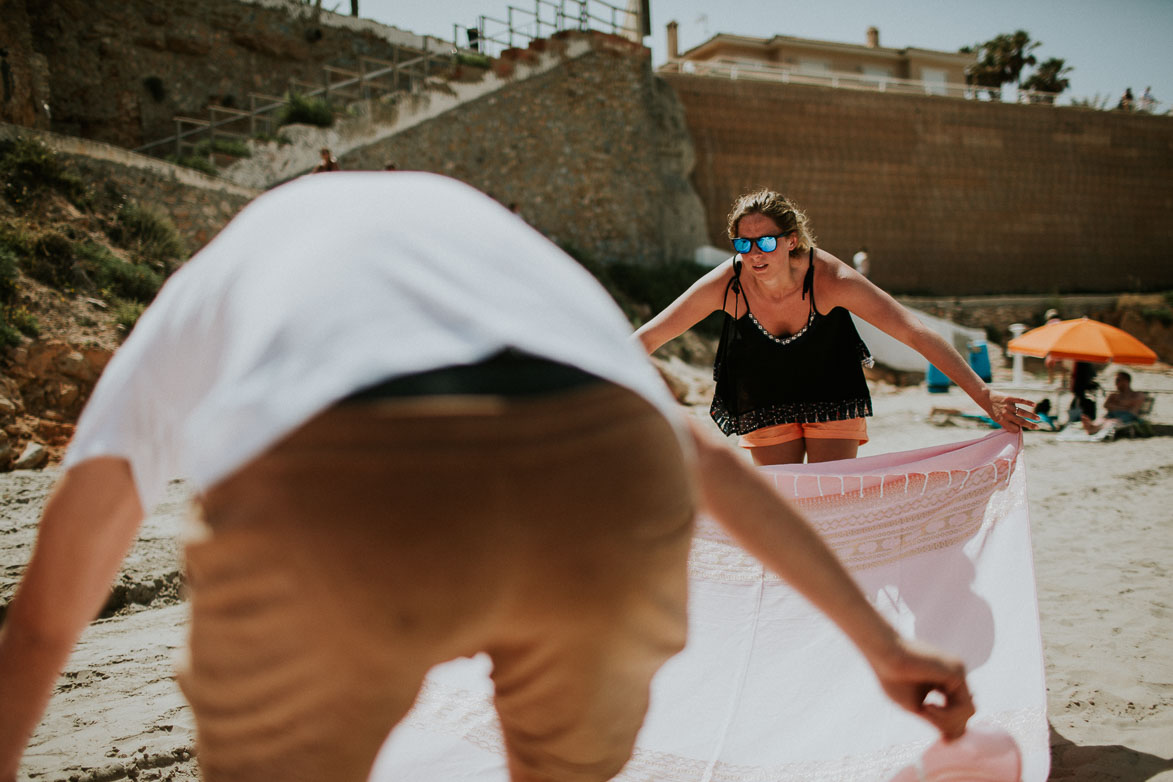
(1102,519)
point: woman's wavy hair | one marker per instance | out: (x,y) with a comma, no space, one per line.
(777,207)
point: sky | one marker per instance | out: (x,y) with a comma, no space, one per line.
(1110,44)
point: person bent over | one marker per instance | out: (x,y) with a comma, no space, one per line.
(416,431)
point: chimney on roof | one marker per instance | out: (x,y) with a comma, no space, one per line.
(673,50)
(873,38)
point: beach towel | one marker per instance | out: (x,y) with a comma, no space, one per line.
(767,690)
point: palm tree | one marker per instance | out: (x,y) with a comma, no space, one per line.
(1048,78)
(1000,60)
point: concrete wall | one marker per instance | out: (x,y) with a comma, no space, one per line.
(950,196)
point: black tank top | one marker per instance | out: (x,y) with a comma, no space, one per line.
(813,375)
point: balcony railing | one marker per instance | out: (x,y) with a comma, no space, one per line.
(760,71)
(541,19)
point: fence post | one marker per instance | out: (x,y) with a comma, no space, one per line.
(211,131)
(509,22)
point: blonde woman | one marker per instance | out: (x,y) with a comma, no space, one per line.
(789,366)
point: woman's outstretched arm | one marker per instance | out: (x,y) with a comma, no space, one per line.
(841,286)
(691,307)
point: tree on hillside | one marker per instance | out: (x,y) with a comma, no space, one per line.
(1049,78)
(1000,60)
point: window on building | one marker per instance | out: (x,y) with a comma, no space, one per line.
(876,76)
(814,67)
(934,79)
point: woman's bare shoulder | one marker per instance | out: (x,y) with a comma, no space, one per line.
(830,270)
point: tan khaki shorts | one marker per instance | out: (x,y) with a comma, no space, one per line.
(851,429)
(385,537)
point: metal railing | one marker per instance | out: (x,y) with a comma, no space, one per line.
(758,71)
(374,78)
(493,35)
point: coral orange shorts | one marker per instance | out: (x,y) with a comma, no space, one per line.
(851,429)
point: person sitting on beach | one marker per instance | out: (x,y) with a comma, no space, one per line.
(789,366)
(457,450)
(1122,405)
(1083,389)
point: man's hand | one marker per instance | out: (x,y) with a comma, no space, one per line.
(927,683)
(771,529)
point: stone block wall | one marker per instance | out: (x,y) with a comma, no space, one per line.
(949,196)
(24,72)
(594,153)
(119,70)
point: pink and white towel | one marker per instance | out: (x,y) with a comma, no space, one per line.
(768,690)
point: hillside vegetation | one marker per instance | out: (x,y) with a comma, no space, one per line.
(65,241)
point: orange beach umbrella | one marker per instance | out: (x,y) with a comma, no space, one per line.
(1083,339)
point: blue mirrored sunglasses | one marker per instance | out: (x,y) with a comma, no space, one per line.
(766,244)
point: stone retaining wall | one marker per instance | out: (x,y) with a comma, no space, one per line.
(949,196)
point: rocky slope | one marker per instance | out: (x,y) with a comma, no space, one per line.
(78,262)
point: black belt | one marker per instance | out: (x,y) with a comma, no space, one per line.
(508,373)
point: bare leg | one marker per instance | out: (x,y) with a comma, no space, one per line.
(783,453)
(819,450)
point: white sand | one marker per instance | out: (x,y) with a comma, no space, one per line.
(1102,515)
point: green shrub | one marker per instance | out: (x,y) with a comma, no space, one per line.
(223,146)
(280,139)
(149,232)
(9,336)
(643,290)
(116,277)
(28,168)
(201,164)
(473,60)
(22,320)
(306,111)
(1161,314)
(9,275)
(48,257)
(16,236)
(126,313)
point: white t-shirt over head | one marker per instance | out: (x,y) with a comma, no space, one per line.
(327,285)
